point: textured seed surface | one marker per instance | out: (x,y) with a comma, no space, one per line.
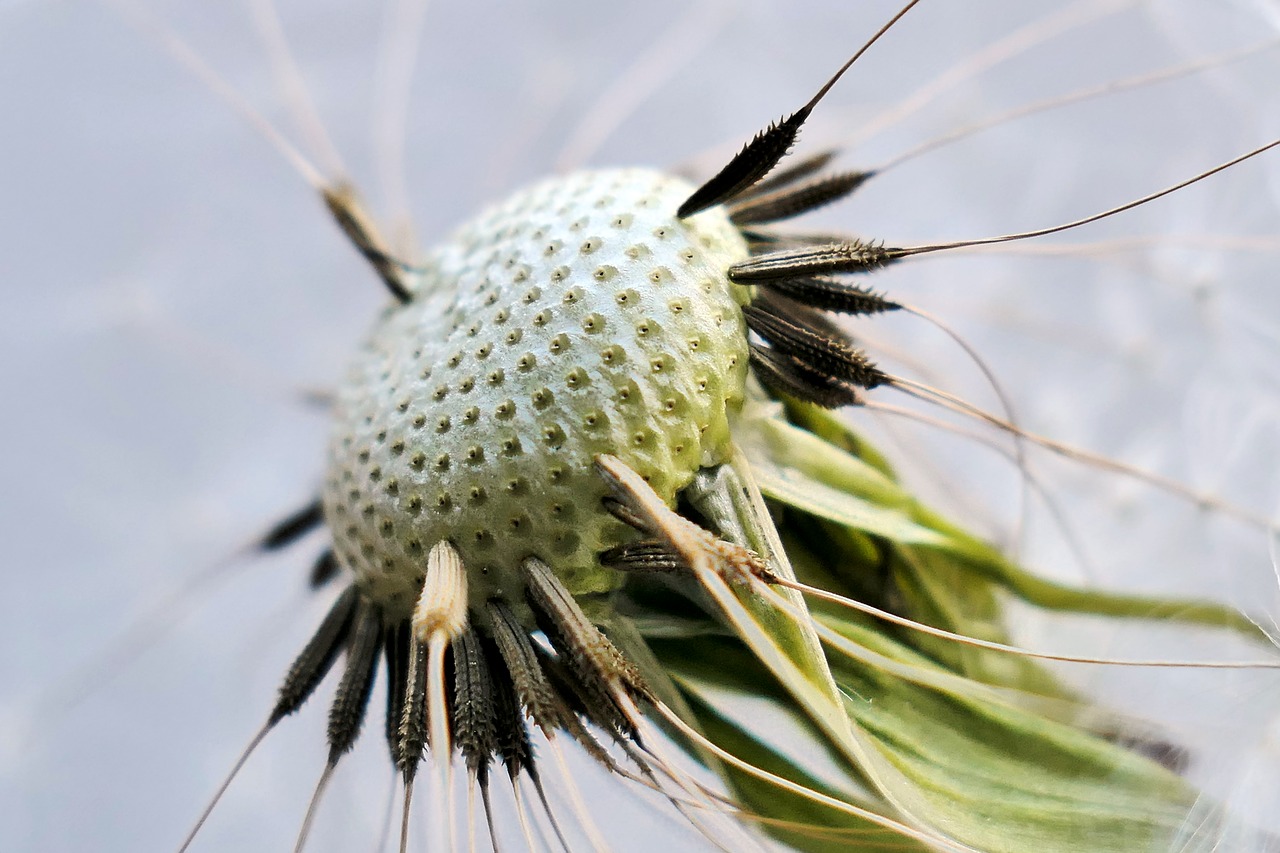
(578,317)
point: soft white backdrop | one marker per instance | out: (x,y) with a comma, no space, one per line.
(170,289)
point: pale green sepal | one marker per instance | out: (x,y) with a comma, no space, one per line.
(1004,779)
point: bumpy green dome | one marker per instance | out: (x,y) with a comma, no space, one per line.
(578,317)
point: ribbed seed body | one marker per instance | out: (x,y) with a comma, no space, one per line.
(579,317)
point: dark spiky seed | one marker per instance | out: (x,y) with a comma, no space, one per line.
(598,668)
(294,527)
(584,689)
(585,639)
(762,153)
(822,354)
(762,241)
(359,228)
(845,257)
(575,695)
(413,722)
(352,698)
(648,555)
(315,659)
(756,159)
(811,165)
(623,513)
(831,294)
(788,309)
(784,375)
(792,201)
(474,713)
(512,734)
(325,569)
(521,664)
(395,648)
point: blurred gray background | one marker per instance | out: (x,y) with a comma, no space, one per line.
(171,290)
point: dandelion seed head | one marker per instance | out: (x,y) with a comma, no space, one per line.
(553,327)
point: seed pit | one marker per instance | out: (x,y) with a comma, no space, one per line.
(566,542)
(553,436)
